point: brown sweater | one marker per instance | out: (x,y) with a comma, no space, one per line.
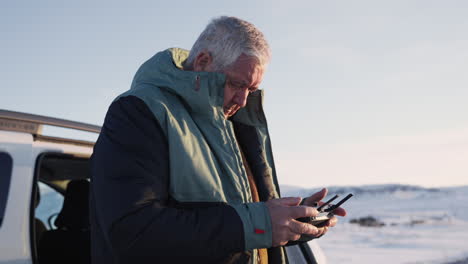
(262,252)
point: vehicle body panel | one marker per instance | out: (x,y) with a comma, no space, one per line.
(15,246)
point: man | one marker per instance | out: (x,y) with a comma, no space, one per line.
(183,171)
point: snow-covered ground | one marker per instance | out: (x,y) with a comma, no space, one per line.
(439,233)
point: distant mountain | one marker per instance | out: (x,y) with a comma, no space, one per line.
(377,189)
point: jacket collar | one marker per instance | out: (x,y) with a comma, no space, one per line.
(202,92)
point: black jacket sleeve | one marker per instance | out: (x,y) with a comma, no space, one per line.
(129,184)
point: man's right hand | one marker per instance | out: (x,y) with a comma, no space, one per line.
(285,227)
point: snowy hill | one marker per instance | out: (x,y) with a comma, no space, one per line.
(422,225)
(377,189)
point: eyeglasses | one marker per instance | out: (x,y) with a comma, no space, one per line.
(241,85)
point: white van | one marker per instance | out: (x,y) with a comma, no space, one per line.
(35,171)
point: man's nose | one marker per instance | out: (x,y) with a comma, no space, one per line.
(241,97)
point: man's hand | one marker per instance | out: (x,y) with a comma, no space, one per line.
(314,200)
(285,211)
(283,214)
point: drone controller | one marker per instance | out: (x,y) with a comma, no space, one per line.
(325,212)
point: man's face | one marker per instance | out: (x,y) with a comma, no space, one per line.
(242,77)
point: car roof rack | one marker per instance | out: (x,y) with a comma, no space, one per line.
(30,123)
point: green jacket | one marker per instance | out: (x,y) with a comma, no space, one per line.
(205,161)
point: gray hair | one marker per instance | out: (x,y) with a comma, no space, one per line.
(226,38)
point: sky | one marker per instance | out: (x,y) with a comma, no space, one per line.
(357,92)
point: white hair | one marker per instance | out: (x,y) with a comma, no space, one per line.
(226,38)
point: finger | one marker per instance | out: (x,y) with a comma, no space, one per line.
(322,231)
(289,201)
(301,228)
(331,222)
(316,197)
(339,211)
(302,211)
(294,237)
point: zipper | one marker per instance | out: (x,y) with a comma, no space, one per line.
(246,193)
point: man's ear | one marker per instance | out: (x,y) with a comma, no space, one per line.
(203,61)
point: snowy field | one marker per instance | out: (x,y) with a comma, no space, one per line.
(421,225)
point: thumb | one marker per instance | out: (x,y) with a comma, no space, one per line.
(289,201)
(316,197)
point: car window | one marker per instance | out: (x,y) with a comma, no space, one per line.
(6,165)
(49,205)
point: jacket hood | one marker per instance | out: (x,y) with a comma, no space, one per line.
(202,92)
